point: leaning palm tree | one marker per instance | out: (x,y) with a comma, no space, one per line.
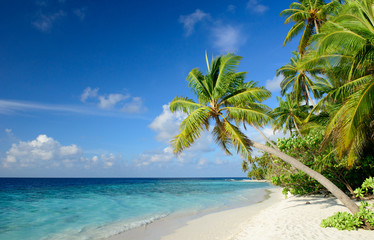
(295,76)
(226,100)
(308,15)
(288,115)
(350,36)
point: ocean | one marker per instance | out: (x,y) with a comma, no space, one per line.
(96,208)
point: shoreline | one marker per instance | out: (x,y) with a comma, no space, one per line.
(272,218)
(204,225)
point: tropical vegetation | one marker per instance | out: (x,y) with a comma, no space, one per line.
(331,143)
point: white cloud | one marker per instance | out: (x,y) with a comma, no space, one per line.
(227,38)
(274,84)
(114,100)
(163,156)
(108,159)
(45,22)
(89,93)
(41,151)
(166,124)
(257,7)
(268,131)
(135,106)
(189,21)
(108,102)
(45,152)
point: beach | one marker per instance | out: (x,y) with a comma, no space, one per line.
(273,218)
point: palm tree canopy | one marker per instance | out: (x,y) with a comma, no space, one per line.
(349,38)
(288,115)
(295,76)
(223,97)
(308,16)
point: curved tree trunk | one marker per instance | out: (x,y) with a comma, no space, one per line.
(266,138)
(349,203)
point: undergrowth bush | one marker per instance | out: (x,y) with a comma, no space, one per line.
(364,218)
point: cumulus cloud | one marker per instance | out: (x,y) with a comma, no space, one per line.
(46,152)
(44,22)
(145,159)
(166,125)
(257,7)
(274,84)
(227,38)
(41,151)
(189,21)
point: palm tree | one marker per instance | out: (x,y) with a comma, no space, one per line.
(288,115)
(224,98)
(350,36)
(295,76)
(308,15)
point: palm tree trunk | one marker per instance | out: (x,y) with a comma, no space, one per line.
(349,203)
(310,99)
(316,26)
(297,128)
(266,138)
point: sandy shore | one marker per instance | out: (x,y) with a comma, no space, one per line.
(292,218)
(272,219)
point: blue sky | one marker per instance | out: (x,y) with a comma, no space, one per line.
(84,85)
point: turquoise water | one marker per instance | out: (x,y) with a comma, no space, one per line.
(95,208)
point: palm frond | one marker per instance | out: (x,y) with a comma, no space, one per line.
(190,129)
(183,104)
(239,141)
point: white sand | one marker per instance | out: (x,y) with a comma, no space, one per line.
(294,219)
(221,225)
(273,219)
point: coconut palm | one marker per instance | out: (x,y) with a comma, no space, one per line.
(288,115)
(308,15)
(296,77)
(350,36)
(226,100)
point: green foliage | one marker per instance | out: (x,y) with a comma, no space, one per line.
(297,183)
(324,161)
(364,189)
(346,43)
(342,221)
(308,17)
(224,99)
(364,218)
